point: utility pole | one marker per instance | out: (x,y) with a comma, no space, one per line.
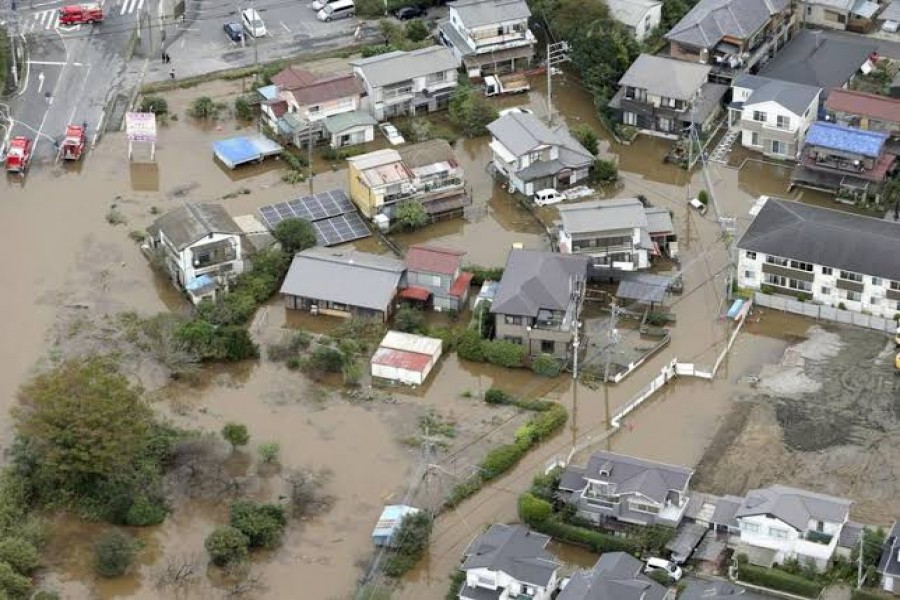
(612,341)
(576,343)
(309,165)
(557,54)
(14,40)
(859,560)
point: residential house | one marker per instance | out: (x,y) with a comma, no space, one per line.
(434,276)
(778,523)
(819,59)
(427,172)
(489,36)
(615,487)
(852,15)
(663,96)
(864,111)
(533,156)
(848,161)
(615,576)
(773,116)
(641,17)
(537,299)
(509,561)
(403,83)
(302,105)
(202,245)
(732,36)
(613,233)
(833,257)
(889,564)
(342,283)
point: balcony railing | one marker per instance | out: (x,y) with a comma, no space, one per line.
(819,537)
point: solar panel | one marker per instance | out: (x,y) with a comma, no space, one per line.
(341,229)
(324,205)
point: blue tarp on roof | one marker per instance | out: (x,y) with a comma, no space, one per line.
(240,150)
(269,92)
(846,139)
(201,283)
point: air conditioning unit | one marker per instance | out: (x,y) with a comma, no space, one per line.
(313,309)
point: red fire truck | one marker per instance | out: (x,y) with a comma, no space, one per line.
(76,14)
(19,155)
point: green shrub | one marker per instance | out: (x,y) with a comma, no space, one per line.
(352,372)
(594,540)
(235,434)
(268,452)
(20,554)
(545,365)
(660,577)
(456,583)
(469,346)
(533,510)
(416,30)
(409,320)
(470,111)
(501,459)
(154,104)
(374,49)
(587,137)
(13,585)
(703,197)
(113,553)
(294,235)
(779,580)
(544,485)
(498,396)
(482,274)
(204,108)
(866,595)
(263,524)
(463,490)
(605,171)
(411,540)
(226,546)
(144,512)
(504,353)
(327,360)
(242,109)
(410,215)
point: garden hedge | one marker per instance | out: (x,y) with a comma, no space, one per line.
(779,580)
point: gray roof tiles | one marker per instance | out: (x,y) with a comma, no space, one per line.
(889,564)
(615,576)
(630,475)
(397,66)
(665,76)
(659,220)
(522,132)
(192,222)
(827,237)
(603,215)
(796,97)
(794,506)
(514,550)
(534,280)
(816,59)
(726,509)
(351,278)
(478,13)
(711,20)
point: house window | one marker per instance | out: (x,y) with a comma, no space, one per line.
(759,116)
(777,533)
(854,296)
(749,275)
(842,18)
(783,122)
(548,346)
(750,527)
(876,281)
(895,285)
(874,301)
(629,118)
(801,266)
(513,320)
(826,271)
(750,255)
(436,280)
(514,340)
(438,77)
(777,260)
(779,147)
(897,307)
(826,291)
(850,276)
(754,139)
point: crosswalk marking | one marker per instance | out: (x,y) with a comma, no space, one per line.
(129,6)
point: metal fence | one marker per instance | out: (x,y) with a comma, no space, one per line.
(824,313)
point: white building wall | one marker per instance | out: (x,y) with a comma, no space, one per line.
(648,23)
(765,532)
(492,580)
(185,264)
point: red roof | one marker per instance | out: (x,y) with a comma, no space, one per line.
(415,292)
(433,259)
(401,359)
(461,284)
(293,77)
(279,108)
(862,103)
(310,89)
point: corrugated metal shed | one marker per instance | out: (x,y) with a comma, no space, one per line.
(389,522)
(397,340)
(405,357)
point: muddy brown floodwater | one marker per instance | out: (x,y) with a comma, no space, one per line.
(65,259)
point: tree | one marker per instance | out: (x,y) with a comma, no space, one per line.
(235,434)
(605,171)
(81,424)
(204,108)
(703,197)
(533,510)
(263,524)
(268,452)
(504,353)
(226,546)
(242,109)
(470,111)
(326,360)
(587,137)
(154,104)
(409,320)
(13,585)
(469,346)
(295,235)
(545,365)
(113,553)
(20,554)
(416,30)
(410,215)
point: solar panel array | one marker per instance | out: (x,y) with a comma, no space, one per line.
(331,213)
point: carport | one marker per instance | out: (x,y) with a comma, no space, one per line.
(237,151)
(686,539)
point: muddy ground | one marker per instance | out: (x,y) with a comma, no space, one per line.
(826,417)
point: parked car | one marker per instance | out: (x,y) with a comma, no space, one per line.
(253,23)
(515,110)
(234,32)
(337,10)
(391,133)
(320,4)
(699,206)
(409,12)
(661,564)
(548,197)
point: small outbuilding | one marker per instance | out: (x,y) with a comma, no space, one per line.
(389,523)
(240,150)
(405,357)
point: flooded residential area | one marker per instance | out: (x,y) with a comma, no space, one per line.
(743,396)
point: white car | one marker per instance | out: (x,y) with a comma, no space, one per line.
(660,564)
(548,197)
(515,110)
(391,133)
(699,206)
(253,23)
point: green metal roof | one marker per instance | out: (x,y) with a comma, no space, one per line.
(345,121)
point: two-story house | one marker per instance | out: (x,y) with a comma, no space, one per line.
(779,523)
(407,83)
(536,301)
(533,157)
(851,15)
(773,116)
(732,36)
(624,488)
(427,172)
(489,36)
(831,257)
(889,563)
(613,233)
(664,96)
(848,161)
(615,576)
(434,276)
(641,17)
(509,562)
(202,246)
(865,111)
(303,105)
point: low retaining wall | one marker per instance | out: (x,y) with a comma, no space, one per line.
(824,313)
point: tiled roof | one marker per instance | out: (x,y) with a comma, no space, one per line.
(861,103)
(433,259)
(846,139)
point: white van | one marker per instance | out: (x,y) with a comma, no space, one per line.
(337,10)
(320,4)
(253,23)
(661,564)
(697,205)
(547,197)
